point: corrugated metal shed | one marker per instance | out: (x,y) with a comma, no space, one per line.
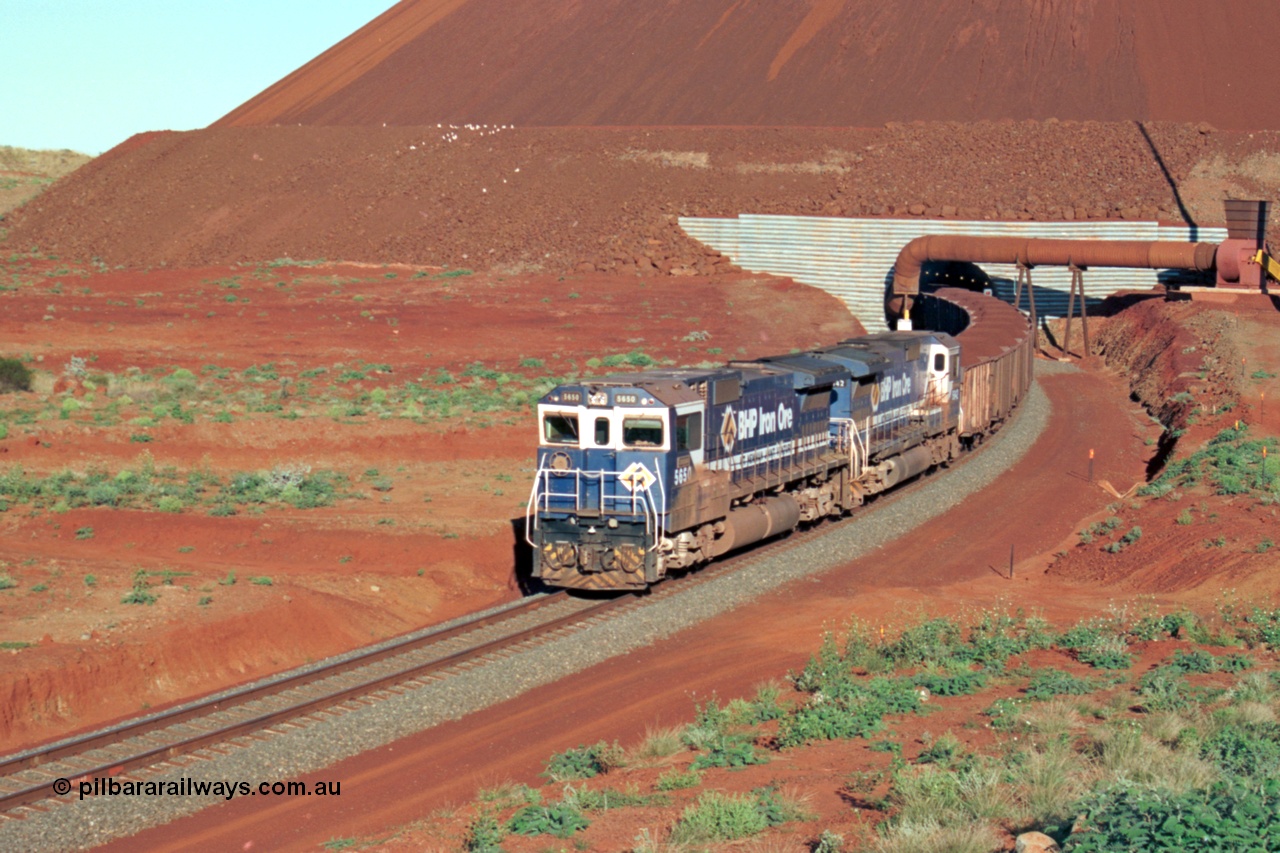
(853,258)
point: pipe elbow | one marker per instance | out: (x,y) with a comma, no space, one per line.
(906,270)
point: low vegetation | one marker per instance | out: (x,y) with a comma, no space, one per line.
(166,489)
(1101,753)
(1232,463)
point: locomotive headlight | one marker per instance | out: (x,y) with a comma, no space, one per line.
(613,523)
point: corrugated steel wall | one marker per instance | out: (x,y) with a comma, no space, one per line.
(853,258)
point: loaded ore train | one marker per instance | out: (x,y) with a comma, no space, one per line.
(642,474)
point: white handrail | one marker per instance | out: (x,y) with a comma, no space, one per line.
(639,500)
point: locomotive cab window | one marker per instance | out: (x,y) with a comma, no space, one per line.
(689,431)
(940,362)
(642,432)
(560,428)
(602,432)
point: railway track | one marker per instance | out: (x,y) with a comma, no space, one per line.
(288,700)
(238,717)
(241,717)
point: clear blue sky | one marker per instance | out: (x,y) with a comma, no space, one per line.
(88,74)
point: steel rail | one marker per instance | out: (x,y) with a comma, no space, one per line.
(140,728)
(153,755)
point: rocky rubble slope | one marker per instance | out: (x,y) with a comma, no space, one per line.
(565,199)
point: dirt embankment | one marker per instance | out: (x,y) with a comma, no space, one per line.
(25,173)
(1181,358)
(1203,370)
(569,199)
(778,62)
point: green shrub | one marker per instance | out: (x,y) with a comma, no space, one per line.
(141,593)
(588,800)
(1196,660)
(832,719)
(181,381)
(1049,682)
(1230,816)
(559,819)
(674,780)
(1245,749)
(169,503)
(829,842)
(584,762)
(962,683)
(827,670)
(729,751)
(1103,651)
(484,834)
(14,376)
(719,817)
(934,641)
(944,751)
(997,637)
(1261,626)
(710,724)
(509,794)
(778,808)
(1164,689)
(763,708)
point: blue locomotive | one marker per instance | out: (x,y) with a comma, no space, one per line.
(645,473)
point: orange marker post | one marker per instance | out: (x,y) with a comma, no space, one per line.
(1090,464)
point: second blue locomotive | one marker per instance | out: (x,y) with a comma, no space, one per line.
(645,473)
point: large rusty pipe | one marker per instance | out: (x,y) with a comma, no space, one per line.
(1141,254)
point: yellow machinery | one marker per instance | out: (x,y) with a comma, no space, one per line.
(1270,266)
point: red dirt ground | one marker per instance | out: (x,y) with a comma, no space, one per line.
(774,62)
(941,568)
(558,200)
(433,541)
(1050,94)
